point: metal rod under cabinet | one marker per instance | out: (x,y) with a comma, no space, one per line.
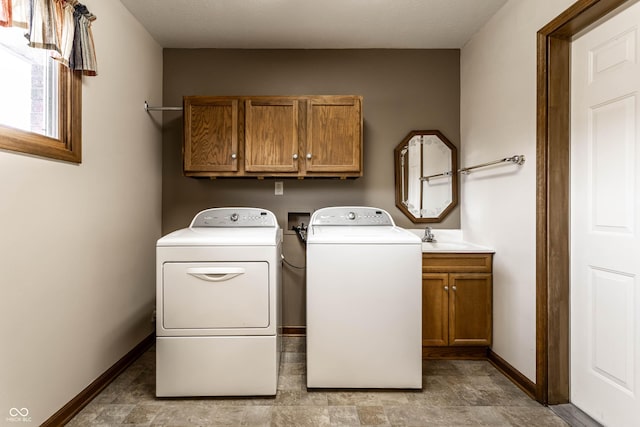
(149,108)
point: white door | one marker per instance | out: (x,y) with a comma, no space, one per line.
(605,221)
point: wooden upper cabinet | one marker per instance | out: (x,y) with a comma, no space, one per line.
(210,134)
(271,139)
(334,134)
(273,136)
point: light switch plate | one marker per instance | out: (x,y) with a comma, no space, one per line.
(279,190)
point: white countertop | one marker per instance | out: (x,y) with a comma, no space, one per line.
(458,247)
(449,241)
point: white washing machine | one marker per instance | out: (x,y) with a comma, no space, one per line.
(218,293)
(364,301)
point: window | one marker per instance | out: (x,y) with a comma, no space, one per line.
(40,101)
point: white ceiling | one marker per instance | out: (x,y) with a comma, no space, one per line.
(313,24)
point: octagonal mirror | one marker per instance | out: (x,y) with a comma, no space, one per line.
(426,176)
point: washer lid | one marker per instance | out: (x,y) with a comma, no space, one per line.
(331,234)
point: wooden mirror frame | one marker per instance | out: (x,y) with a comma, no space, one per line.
(400,180)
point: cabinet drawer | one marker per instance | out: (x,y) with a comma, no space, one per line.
(457,262)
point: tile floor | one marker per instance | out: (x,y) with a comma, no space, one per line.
(455,393)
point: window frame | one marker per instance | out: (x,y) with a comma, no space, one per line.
(68,146)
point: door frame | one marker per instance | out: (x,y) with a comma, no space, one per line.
(553,193)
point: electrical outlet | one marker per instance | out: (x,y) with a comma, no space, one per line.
(279,190)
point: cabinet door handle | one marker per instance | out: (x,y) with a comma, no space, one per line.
(309,156)
(446,288)
(295,156)
(454,288)
(234,156)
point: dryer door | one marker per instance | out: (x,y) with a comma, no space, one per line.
(215,295)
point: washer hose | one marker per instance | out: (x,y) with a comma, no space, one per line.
(301,232)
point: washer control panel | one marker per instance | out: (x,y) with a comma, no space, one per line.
(351,215)
(234,217)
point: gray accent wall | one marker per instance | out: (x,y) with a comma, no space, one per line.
(403,90)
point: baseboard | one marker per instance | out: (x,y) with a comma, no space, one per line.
(513,374)
(455,352)
(294,331)
(75,405)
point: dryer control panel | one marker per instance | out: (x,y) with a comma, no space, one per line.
(234,217)
(351,215)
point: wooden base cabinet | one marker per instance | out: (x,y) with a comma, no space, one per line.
(273,136)
(456,300)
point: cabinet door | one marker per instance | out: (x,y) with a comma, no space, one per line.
(271,139)
(470,311)
(210,134)
(334,134)
(435,307)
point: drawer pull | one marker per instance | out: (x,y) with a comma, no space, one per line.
(446,288)
(215,274)
(455,289)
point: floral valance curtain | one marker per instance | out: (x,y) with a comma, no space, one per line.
(62,26)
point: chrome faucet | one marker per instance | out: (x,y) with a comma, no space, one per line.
(428,235)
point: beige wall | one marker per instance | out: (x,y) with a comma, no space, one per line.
(77,242)
(403,90)
(498,119)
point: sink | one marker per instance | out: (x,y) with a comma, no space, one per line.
(452,247)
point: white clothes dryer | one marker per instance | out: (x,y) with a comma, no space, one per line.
(364,301)
(218,293)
